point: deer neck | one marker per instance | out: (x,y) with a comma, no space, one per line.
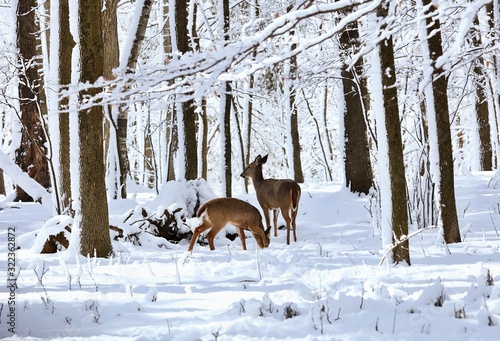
(257,179)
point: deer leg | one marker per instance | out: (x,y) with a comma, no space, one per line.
(197,231)
(241,234)
(294,226)
(286,216)
(275,221)
(268,220)
(211,235)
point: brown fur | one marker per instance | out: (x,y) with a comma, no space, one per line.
(217,213)
(275,195)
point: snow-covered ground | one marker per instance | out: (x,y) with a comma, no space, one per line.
(327,286)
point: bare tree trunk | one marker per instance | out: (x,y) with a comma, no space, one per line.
(171,122)
(93,205)
(122,120)
(66,45)
(294,123)
(481,105)
(204,140)
(248,113)
(399,213)
(2,183)
(225,112)
(439,101)
(189,116)
(31,156)
(492,9)
(111,61)
(225,130)
(358,169)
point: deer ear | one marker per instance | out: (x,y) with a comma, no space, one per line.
(257,159)
(264,159)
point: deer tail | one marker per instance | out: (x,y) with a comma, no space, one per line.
(295,199)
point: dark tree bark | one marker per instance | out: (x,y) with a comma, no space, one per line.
(225,121)
(111,61)
(189,116)
(446,185)
(66,45)
(225,129)
(399,219)
(358,168)
(2,183)
(298,174)
(31,156)
(94,220)
(294,132)
(481,105)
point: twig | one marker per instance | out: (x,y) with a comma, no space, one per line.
(399,242)
(493,222)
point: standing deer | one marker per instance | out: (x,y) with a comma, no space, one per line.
(217,213)
(276,195)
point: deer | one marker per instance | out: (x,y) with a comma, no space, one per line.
(217,213)
(276,195)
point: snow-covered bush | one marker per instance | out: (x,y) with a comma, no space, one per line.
(168,216)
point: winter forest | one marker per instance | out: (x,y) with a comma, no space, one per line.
(107,102)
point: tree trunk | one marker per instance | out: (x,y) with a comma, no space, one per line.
(225,131)
(294,124)
(481,105)
(170,122)
(93,205)
(111,61)
(492,9)
(225,112)
(122,119)
(2,183)
(31,156)
(204,140)
(189,116)
(66,45)
(439,102)
(358,169)
(399,213)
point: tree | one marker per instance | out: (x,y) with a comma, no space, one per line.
(65,48)
(186,116)
(225,113)
(481,104)
(298,174)
(128,65)
(112,141)
(92,210)
(436,99)
(392,170)
(248,104)
(170,121)
(31,156)
(357,164)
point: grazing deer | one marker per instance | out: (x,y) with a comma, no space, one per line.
(217,213)
(275,195)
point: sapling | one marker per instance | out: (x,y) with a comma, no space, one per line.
(39,275)
(216,334)
(177,273)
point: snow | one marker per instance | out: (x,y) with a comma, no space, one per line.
(327,286)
